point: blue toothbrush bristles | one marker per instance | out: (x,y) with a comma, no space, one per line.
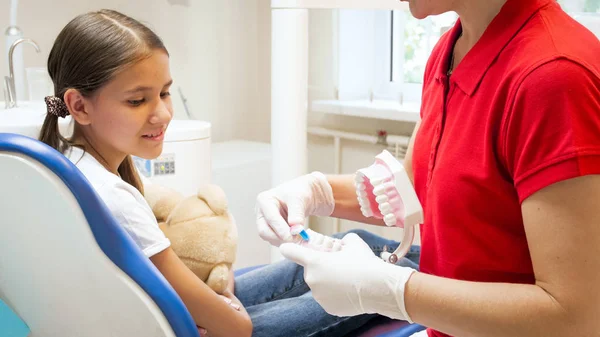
(304,235)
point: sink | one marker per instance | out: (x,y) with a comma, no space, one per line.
(27,119)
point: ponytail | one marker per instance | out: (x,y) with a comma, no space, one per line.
(50,134)
(129,174)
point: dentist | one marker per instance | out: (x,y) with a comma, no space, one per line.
(506,164)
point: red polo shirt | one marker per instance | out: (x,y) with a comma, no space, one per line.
(520,112)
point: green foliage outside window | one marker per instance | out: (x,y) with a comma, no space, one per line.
(421,35)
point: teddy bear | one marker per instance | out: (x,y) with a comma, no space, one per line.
(202,232)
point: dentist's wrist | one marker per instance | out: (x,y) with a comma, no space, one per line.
(323,194)
(344,193)
(390,300)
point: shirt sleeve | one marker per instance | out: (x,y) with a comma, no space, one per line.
(134,214)
(552,132)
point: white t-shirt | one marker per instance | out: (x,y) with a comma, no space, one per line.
(124,201)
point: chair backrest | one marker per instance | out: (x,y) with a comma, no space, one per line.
(67,268)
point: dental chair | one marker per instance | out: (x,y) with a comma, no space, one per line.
(66,267)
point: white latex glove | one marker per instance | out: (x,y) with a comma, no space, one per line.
(352,281)
(290,203)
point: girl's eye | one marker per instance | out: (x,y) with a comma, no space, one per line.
(165,94)
(137,102)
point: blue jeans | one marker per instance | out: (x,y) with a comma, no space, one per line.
(280,303)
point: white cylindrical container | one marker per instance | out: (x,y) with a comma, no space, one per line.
(39,84)
(185,162)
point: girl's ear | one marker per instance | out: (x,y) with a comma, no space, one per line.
(77,105)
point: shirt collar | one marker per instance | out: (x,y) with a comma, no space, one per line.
(511,18)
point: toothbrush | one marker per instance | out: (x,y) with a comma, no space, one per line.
(304,235)
(299,230)
(384,191)
(315,240)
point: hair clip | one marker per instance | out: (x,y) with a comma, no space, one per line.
(56,106)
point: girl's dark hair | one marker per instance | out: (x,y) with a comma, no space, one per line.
(87,54)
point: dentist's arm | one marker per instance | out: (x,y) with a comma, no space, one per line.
(561,220)
(346,204)
(561,223)
(344,192)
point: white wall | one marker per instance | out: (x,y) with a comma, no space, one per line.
(219,54)
(260,121)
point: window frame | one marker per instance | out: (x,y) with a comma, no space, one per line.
(392,34)
(373,71)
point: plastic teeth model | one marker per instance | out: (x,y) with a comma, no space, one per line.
(384,191)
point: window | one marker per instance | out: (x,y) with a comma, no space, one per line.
(382,54)
(580,6)
(587,12)
(412,41)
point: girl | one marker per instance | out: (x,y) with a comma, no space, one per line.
(111,74)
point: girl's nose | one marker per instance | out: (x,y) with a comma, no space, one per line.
(162,114)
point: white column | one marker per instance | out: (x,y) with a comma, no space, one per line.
(289,96)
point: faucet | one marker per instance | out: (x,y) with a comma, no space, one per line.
(10,92)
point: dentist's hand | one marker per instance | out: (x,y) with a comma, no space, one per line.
(353,280)
(290,203)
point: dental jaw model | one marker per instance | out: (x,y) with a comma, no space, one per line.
(384,191)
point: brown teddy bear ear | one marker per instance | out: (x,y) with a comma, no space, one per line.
(214,197)
(162,200)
